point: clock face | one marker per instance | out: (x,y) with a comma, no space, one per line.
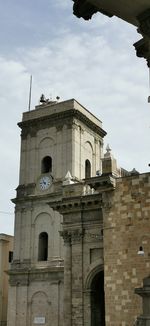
(45,182)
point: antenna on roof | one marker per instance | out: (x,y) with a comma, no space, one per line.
(30,91)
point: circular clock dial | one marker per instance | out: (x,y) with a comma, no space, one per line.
(45,182)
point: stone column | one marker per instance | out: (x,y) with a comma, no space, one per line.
(67,278)
(144,292)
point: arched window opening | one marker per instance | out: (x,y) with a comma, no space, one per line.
(98,300)
(43,247)
(87,169)
(46,164)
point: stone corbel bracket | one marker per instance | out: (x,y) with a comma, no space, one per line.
(142,48)
(84,9)
(144,23)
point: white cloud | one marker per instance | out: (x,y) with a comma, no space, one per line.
(102,74)
(13,99)
(63,4)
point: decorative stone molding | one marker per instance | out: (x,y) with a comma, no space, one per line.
(94,236)
(96,140)
(25,190)
(66,236)
(75,126)
(77,235)
(32,131)
(59,127)
(30,127)
(77,204)
(81,197)
(18,279)
(23,276)
(72,236)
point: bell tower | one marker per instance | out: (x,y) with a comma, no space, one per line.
(56,137)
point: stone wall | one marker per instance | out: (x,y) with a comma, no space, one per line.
(6,250)
(126,228)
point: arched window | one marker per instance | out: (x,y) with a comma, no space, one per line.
(43,247)
(46,165)
(87,169)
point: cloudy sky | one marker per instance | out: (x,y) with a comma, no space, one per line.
(93,62)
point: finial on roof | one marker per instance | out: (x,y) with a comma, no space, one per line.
(134,172)
(108,151)
(109,163)
(68,179)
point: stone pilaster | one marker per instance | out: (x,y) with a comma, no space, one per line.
(67,278)
(73,277)
(77,278)
(87,311)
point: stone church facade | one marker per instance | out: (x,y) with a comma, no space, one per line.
(79,222)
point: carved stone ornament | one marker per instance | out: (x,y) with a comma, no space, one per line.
(66,236)
(76,235)
(72,236)
(59,127)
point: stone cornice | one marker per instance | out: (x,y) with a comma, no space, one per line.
(25,190)
(102,183)
(23,276)
(77,204)
(72,236)
(74,200)
(33,198)
(58,119)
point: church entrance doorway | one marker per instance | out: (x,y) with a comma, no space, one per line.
(98,300)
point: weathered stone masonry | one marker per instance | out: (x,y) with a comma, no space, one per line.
(126,228)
